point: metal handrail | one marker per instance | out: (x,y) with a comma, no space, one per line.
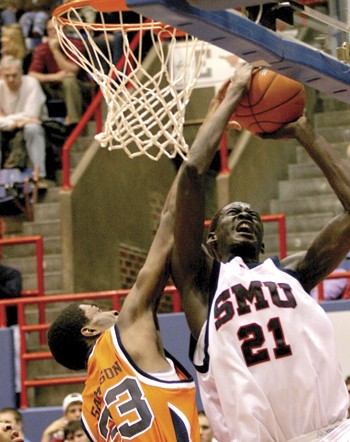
(39,291)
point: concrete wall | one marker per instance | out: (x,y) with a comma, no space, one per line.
(111,205)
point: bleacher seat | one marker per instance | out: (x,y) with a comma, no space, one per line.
(17,191)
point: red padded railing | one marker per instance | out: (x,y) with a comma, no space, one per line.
(320,288)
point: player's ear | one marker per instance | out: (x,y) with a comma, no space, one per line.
(262,248)
(212,243)
(89,331)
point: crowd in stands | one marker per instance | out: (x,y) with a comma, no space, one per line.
(56,431)
(36,79)
(13,417)
(60,89)
(67,428)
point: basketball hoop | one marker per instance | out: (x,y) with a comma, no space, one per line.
(145,111)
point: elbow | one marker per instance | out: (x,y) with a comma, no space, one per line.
(190,177)
(191,170)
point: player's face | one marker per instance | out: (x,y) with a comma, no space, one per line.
(239,232)
(99,319)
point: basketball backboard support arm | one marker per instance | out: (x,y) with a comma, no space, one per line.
(254,43)
(226,4)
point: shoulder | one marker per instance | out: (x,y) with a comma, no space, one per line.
(30,82)
(29,79)
(9,270)
(43,46)
(41,50)
(77,43)
(292,262)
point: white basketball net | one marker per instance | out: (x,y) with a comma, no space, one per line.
(145,112)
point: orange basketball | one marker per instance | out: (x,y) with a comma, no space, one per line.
(272,100)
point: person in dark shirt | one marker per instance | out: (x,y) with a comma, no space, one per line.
(10,287)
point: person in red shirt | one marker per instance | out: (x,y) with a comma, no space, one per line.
(59,75)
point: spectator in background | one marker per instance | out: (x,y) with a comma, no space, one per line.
(7,434)
(22,110)
(59,76)
(12,43)
(347,383)
(13,416)
(33,21)
(10,287)
(206,433)
(333,288)
(72,405)
(74,432)
(11,12)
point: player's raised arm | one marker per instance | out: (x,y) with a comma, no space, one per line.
(190,264)
(154,274)
(333,242)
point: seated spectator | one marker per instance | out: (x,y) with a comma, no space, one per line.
(59,76)
(7,434)
(12,43)
(22,110)
(72,405)
(332,288)
(347,383)
(74,432)
(206,433)
(11,13)
(33,22)
(10,287)
(345,264)
(13,416)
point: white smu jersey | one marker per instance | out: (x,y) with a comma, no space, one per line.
(266,358)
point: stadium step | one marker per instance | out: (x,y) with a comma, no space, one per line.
(305,197)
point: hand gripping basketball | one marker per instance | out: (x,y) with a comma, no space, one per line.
(271,101)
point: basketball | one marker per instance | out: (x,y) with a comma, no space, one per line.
(272,100)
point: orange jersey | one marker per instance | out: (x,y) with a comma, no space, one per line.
(123,403)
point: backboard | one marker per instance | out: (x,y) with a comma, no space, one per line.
(234,32)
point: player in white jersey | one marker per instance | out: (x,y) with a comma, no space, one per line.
(264,350)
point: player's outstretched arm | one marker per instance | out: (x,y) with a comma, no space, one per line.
(333,242)
(190,265)
(154,274)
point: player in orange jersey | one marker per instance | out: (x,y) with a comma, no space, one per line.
(134,389)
